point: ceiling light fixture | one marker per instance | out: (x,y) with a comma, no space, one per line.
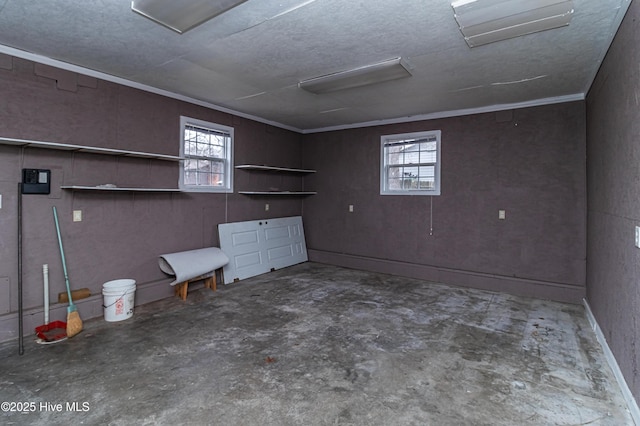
(182,15)
(392,69)
(488,21)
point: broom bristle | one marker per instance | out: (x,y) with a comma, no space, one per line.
(74,323)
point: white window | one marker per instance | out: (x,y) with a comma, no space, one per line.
(410,164)
(207,149)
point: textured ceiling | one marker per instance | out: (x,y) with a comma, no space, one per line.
(251,58)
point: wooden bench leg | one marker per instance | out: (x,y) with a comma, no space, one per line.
(185,286)
(181,290)
(210,283)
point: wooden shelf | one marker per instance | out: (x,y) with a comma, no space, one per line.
(273,169)
(277,192)
(111,188)
(258,167)
(87,149)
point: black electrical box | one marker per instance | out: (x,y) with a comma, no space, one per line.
(36,181)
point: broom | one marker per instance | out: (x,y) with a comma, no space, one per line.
(74,323)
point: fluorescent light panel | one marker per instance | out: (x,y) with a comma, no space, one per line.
(182,15)
(392,69)
(488,21)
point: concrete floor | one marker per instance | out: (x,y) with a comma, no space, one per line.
(320,345)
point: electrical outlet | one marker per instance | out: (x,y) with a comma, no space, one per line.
(350,208)
(638,236)
(266,207)
(0,201)
(77,215)
(502,214)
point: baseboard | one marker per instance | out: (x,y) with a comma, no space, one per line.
(632,405)
(517,286)
(88,308)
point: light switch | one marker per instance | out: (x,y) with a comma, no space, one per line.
(350,208)
(77,215)
(502,214)
(638,236)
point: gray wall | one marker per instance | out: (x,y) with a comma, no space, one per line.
(529,162)
(613,164)
(121,234)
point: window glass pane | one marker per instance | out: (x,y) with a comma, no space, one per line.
(426,172)
(427,152)
(190,142)
(426,183)
(190,165)
(396,154)
(217,149)
(216,179)
(189,177)
(426,177)
(395,184)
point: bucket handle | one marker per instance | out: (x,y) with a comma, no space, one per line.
(116,301)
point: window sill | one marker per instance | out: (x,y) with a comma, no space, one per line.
(208,190)
(431,193)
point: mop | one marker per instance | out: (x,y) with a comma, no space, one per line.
(74,323)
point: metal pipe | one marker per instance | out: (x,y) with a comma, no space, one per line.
(20,326)
(45,279)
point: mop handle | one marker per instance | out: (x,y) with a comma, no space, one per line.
(64,263)
(45,278)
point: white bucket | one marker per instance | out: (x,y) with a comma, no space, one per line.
(119,297)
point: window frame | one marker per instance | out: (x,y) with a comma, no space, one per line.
(385,140)
(227,186)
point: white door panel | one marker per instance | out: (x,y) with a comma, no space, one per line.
(258,246)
